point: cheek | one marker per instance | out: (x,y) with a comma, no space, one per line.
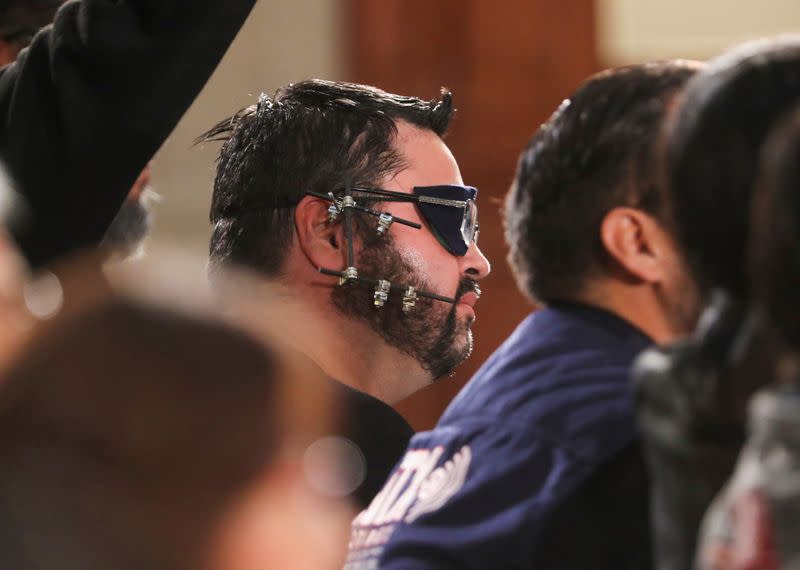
(437,266)
(414,259)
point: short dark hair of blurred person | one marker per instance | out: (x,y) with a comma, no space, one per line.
(135,436)
(753,521)
(125,236)
(585,219)
(280,161)
(19,22)
(693,395)
(539,448)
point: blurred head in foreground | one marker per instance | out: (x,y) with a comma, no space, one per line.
(712,153)
(15,319)
(775,241)
(125,236)
(133,436)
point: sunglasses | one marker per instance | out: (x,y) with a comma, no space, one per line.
(448,209)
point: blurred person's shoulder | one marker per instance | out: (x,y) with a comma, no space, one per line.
(561,362)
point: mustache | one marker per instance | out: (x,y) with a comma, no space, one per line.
(467,285)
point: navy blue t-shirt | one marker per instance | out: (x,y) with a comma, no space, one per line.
(505,480)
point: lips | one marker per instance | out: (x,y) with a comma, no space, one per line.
(469,299)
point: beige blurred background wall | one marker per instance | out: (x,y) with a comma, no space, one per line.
(282,41)
(290,40)
(631,31)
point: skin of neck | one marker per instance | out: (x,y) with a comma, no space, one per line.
(345,348)
(640,304)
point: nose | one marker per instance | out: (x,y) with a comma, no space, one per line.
(474,264)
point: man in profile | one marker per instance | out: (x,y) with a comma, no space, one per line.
(536,463)
(347,200)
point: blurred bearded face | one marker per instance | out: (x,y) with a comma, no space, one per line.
(132,223)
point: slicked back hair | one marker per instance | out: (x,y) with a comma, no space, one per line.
(595,153)
(310,136)
(712,154)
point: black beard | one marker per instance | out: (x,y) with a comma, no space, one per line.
(429,332)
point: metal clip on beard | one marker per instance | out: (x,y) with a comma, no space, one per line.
(381,293)
(350,273)
(384,222)
(409,299)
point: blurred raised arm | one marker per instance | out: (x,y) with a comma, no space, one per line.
(92,99)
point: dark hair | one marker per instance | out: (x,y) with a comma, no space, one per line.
(712,154)
(775,241)
(311,136)
(595,153)
(125,432)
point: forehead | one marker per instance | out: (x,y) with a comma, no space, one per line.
(427,160)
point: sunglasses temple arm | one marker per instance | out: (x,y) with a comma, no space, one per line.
(395,219)
(394,287)
(370,211)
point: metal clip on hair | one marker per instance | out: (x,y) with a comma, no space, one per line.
(381,293)
(384,222)
(334,210)
(409,299)
(264,103)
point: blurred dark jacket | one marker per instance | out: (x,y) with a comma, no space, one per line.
(691,407)
(535,464)
(92,99)
(381,434)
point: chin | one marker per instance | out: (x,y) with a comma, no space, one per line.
(465,345)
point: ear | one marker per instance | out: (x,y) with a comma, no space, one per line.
(637,242)
(322,242)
